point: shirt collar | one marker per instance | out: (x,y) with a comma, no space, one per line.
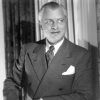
(56,46)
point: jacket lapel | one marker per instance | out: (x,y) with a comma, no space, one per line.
(38,61)
(59,64)
(62,56)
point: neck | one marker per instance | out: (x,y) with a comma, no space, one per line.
(53,43)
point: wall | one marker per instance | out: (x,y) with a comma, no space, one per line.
(2,52)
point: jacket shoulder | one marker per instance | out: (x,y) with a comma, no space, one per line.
(31,46)
(78,49)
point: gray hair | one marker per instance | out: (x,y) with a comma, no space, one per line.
(53,6)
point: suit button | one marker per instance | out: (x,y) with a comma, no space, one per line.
(60,89)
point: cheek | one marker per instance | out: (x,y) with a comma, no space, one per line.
(45,27)
(63,28)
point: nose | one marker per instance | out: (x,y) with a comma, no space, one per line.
(54,25)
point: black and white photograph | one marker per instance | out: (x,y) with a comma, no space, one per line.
(50,49)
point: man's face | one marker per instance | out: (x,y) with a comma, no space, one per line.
(54,25)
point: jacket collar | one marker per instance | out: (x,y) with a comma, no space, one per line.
(65,48)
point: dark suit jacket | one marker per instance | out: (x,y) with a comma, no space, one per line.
(41,81)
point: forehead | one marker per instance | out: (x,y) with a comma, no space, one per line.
(53,13)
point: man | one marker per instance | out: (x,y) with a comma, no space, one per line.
(53,68)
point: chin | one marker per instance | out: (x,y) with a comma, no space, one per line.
(54,42)
(51,41)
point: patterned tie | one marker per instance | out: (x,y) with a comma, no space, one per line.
(50,54)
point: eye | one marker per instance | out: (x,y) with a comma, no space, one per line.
(48,22)
(61,20)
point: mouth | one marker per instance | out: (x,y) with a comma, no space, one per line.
(55,32)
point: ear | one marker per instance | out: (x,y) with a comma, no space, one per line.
(40,26)
(40,23)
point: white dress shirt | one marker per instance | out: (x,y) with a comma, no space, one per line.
(56,46)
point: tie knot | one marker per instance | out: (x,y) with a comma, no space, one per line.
(51,48)
(50,54)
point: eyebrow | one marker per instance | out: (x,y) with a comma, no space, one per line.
(55,18)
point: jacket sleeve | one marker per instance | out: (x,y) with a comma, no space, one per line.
(12,84)
(83,83)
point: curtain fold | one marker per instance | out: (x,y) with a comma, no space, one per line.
(85,23)
(19,25)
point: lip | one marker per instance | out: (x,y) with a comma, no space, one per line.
(55,32)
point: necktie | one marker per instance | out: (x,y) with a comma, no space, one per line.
(50,54)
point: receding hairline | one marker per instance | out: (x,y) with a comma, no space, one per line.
(52,6)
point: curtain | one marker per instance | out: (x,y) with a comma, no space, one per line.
(85,22)
(19,25)
(2,53)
